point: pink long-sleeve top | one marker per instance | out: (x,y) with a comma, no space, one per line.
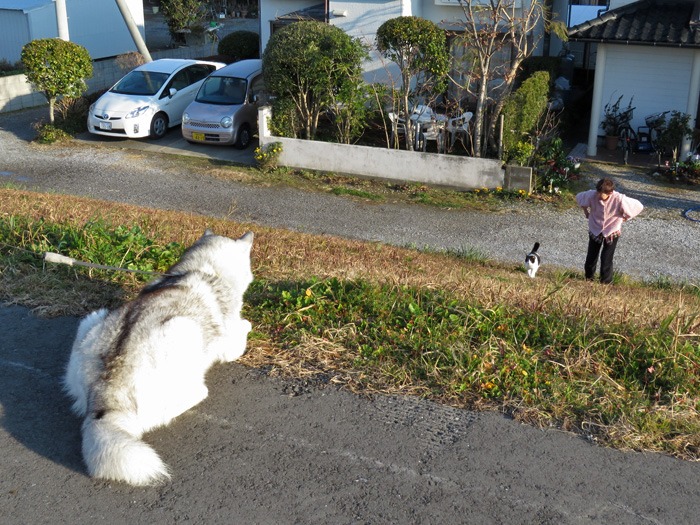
(606,216)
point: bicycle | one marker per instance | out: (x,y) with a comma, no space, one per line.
(656,123)
(625,133)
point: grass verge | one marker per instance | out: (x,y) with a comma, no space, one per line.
(620,368)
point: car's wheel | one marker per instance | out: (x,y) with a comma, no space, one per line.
(159,126)
(244,137)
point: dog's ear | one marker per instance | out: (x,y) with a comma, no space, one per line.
(207,232)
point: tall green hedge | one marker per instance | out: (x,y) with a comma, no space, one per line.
(521,115)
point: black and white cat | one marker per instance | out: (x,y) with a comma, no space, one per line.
(532,261)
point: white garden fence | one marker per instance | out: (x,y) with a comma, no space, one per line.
(453,171)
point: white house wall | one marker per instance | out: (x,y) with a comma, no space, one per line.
(14,27)
(361,20)
(560,10)
(657,77)
(442,13)
(18,27)
(271,9)
(100,28)
(96,25)
(42,21)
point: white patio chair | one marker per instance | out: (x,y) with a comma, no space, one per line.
(430,131)
(457,125)
(421,112)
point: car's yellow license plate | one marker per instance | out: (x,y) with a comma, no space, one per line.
(197,136)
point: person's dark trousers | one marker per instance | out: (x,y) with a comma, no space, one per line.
(606,260)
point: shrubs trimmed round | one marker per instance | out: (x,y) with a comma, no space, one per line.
(57,68)
(240,45)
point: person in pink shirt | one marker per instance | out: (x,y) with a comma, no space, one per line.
(606,210)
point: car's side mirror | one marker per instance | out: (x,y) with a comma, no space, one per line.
(172,92)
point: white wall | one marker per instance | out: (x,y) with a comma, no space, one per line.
(362,21)
(99,27)
(13,28)
(18,27)
(454,171)
(271,9)
(96,25)
(16,93)
(657,77)
(441,13)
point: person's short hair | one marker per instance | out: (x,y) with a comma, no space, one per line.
(605,186)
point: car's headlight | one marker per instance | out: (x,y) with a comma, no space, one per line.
(137,112)
(92,107)
(185,118)
(226,122)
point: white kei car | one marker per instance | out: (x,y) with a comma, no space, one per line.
(150,99)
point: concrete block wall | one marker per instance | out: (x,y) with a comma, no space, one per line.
(16,93)
(453,171)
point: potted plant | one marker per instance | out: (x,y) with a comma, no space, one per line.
(674,133)
(184,19)
(613,118)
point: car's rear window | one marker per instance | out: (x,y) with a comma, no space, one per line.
(222,90)
(140,83)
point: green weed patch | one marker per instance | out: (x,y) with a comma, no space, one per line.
(613,383)
(96,241)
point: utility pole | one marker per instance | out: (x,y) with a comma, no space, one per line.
(62,20)
(133,29)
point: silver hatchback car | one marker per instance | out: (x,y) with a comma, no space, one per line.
(225,110)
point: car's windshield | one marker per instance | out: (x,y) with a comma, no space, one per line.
(222,90)
(140,83)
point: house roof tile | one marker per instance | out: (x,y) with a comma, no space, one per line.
(647,22)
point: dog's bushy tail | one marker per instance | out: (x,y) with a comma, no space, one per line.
(110,451)
(535,247)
